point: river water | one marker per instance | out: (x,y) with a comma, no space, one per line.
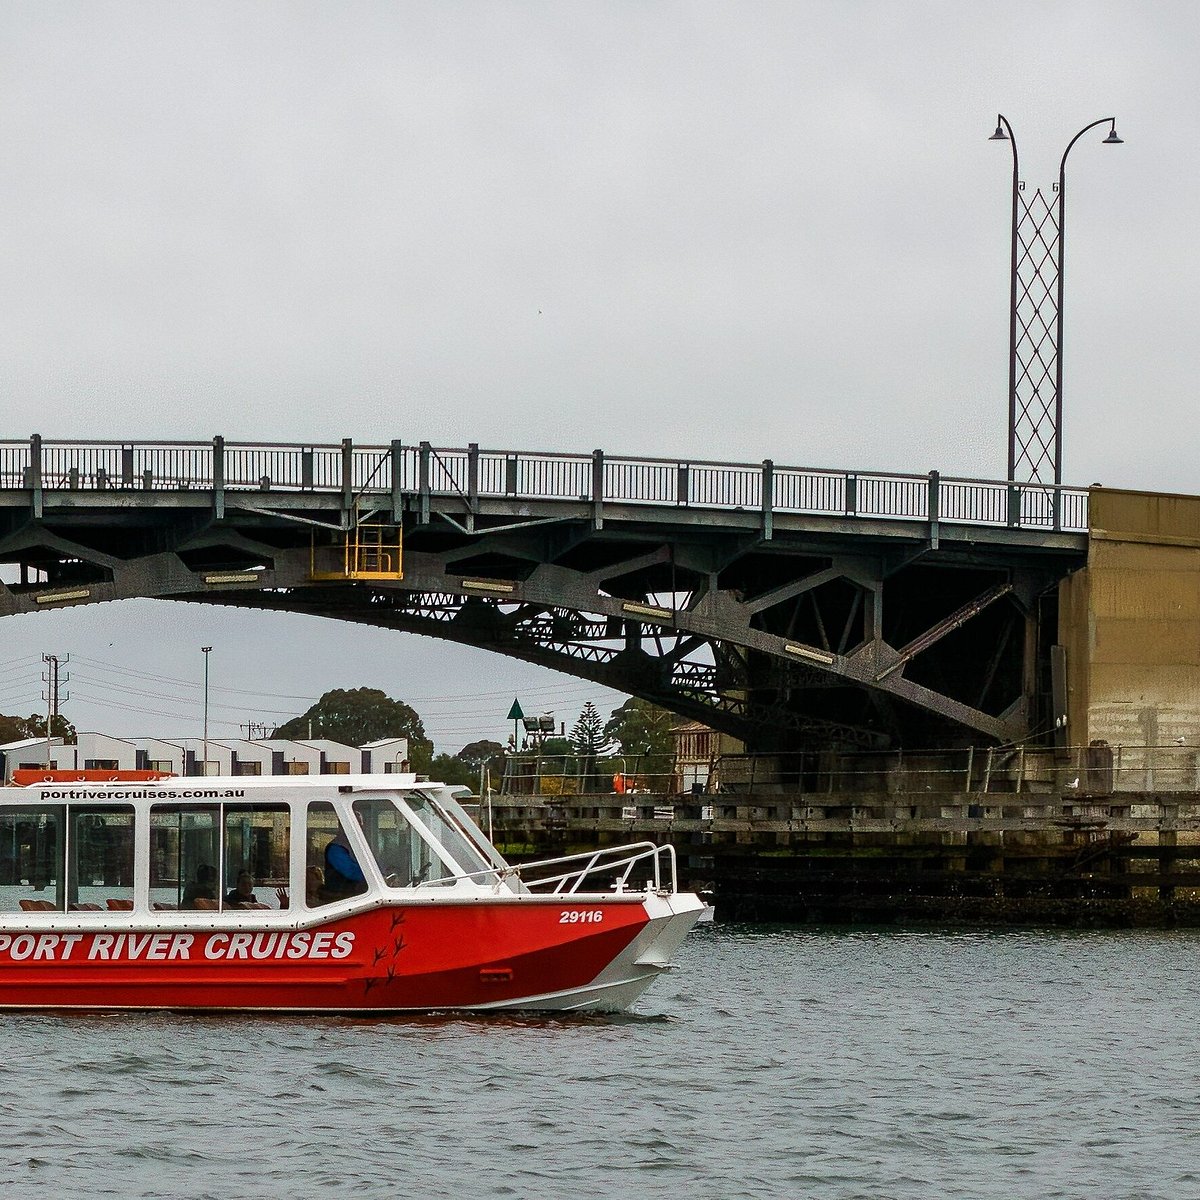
(775,1062)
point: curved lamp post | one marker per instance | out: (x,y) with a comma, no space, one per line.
(1022,252)
(1111,140)
(1004,133)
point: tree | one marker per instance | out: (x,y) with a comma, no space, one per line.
(360,715)
(589,741)
(481,754)
(17,729)
(641,727)
(644,733)
(450,768)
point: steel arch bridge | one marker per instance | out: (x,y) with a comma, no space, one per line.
(792,608)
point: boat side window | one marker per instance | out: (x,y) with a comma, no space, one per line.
(405,859)
(331,869)
(185,851)
(31,859)
(219,857)
(257,849)
(100,867)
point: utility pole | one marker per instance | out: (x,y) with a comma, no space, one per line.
(206,651)
(53,678)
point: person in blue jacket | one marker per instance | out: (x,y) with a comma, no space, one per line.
(343,876)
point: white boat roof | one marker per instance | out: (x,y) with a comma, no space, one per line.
(217,787)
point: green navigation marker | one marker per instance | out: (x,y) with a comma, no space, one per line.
(515,713)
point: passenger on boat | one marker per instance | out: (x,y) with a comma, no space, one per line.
(343,876)
(314,881)
(243,895)
(204,887)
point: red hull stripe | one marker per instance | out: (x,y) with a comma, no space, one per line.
(428,956)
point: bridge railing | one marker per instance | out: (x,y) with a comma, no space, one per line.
(470,474)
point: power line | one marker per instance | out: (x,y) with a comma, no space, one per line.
(566,686)
(456,709)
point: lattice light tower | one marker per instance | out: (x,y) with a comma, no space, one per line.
(1036,318)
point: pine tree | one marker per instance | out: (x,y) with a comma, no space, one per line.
(587,734)
(589,740)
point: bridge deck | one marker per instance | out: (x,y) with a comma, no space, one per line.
(473,476)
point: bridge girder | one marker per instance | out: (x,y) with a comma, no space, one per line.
(801,638)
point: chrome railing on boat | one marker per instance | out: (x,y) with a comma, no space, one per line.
(618,861)
(599,862)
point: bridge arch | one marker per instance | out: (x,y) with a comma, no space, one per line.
(725,592)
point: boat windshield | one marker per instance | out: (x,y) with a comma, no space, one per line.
(416,842)
(451,837)
(405,859)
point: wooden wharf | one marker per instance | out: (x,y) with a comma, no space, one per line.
(1130,858)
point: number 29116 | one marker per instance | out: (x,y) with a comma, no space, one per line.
(573,916)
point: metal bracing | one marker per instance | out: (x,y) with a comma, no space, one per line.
(1034,450)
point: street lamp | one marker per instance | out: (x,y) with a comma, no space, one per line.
(206,651)
(1038,246)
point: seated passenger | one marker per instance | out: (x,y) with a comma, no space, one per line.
(204,887)
(243,895)
(313,882)
(343,876)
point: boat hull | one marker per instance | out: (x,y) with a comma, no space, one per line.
(545,953)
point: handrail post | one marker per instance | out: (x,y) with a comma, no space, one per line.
(851,495)
(597,489)
(397,480)
(472,485)
(473,477)
(768,499)
(306,469)
(1013,515)
(218,478)
(934,507)
(423,482)
(510,474)
(127,466)
(1056,501)
(347,478)
(682,484)
(35,476)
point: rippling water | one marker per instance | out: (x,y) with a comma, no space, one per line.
(773,1063)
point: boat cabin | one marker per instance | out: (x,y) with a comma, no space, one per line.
(229,847)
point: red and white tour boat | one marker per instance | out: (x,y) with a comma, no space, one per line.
(337,893)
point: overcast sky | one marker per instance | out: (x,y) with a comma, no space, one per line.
(735,230)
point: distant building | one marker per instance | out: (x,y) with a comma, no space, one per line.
(697,751)
(385,756)
(190,756)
